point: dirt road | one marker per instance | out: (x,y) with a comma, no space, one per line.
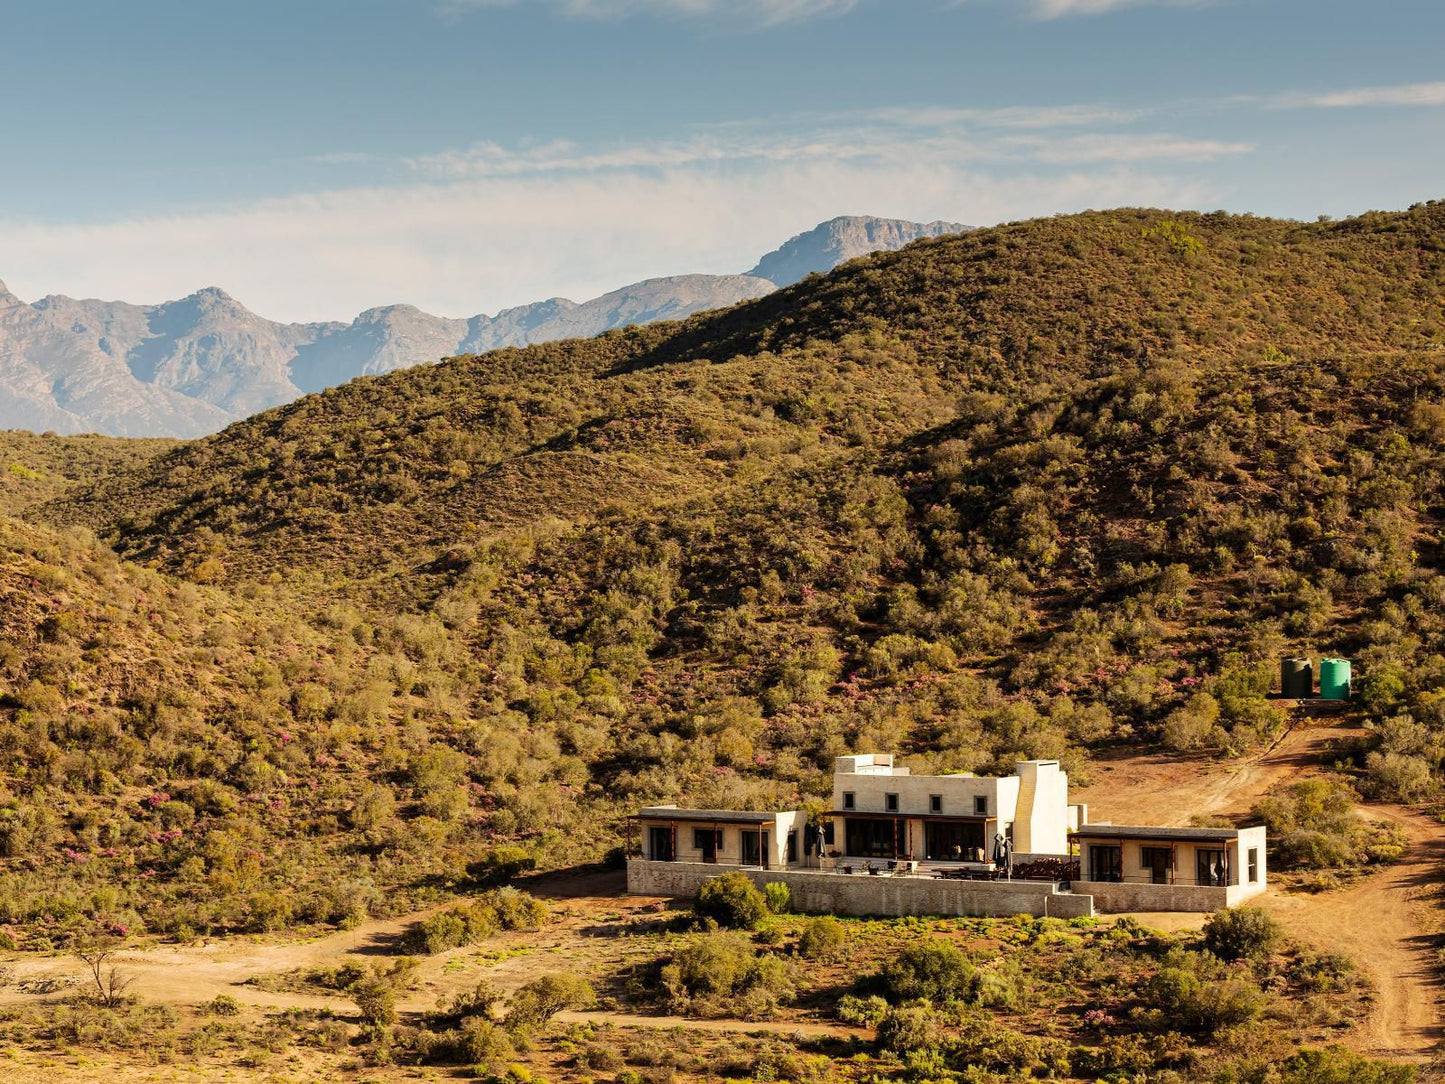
(1386,921)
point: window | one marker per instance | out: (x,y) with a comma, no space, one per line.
(1106,863)
(935,803)
(659,844)
(874,838)
(755,848)
(828,833)
(1210,869)
(1254,865)
(701,842)
(792,847)
(953,841)
(980,804)
(848,800)
(890,802)
(1159,861)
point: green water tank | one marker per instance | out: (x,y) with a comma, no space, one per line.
(1296,679)
(1335,679)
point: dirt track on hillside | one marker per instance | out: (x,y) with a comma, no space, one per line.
(1386,921)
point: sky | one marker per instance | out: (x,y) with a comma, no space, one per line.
(318,157)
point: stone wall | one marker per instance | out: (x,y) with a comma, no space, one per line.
(860,894)
(1110,897)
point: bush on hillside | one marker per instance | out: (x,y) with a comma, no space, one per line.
(1313,824)
(935,971)
(822,936)
(1242,933)
(720,974)
(732,901)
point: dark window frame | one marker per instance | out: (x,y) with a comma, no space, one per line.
(980,805)
(699,836)
(850,800)
(890,802)
(935,803)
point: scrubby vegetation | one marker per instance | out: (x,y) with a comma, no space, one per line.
(1313,824)
(1027,491)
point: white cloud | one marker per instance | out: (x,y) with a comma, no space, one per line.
(1054,9)
(1407,94)
(1043,135)
(767,12)
(478,245)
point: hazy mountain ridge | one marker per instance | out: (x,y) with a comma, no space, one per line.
(842,239)
(189,367)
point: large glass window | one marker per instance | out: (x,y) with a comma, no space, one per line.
(1106,863)
(659,844)
(1158,861)
(709,841)
(873,839)
(755,847)
(1210,869)
(953,841)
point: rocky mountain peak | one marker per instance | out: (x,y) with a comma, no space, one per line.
(841,239)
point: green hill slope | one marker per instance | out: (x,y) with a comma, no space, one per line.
(1015,493)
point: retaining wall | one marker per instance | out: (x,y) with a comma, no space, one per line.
(861,894)
(1111,896)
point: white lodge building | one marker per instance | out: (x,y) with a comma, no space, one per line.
(897,843)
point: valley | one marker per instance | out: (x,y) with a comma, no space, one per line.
(276,698)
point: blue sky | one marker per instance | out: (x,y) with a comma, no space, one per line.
(315,157)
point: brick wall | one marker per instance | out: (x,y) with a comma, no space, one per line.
(861,894)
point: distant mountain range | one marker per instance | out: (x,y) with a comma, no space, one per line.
(189,367)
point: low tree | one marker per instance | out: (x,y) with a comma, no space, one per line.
(111,984)
(543,998)
(1242,933)
(732,900)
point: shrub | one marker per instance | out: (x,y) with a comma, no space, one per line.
(1313,825)
(222,1005)
(777,896)
(1194,993)
(501,864)
(732,900)
(504,908)
(929,971)
(719,973)
(910,1029)
(822,936)
(861,1011)
(1336,1065)
(543,998)
(1242,933)
(376,991)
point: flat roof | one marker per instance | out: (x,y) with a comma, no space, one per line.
(711,816)
(1130,831)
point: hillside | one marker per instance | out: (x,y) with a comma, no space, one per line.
(1035,490)
(36,468)
(189,367)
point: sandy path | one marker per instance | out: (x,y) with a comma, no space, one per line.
(1165,789)
(195,973)
(1384,921)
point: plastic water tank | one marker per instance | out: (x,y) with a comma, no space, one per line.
(1335,679)
(1296,679)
